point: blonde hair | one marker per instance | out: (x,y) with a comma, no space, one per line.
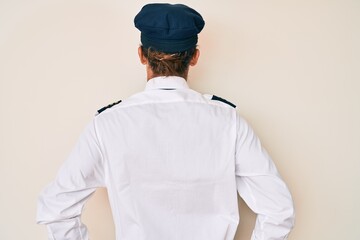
(169,64)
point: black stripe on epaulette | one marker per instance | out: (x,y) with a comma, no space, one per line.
(108,106)
(214,97)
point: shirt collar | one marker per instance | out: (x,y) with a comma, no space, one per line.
(170,82)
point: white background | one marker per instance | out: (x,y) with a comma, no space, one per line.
(292,68)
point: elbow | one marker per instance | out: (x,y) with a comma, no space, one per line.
(292,217)
(284,217)
(288,216)
(288,212)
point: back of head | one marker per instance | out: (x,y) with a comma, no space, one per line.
(169,36)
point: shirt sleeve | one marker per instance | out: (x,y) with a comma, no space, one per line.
(61,202)
(261,187)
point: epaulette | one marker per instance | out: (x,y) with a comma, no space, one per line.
(106,107)
(214,97)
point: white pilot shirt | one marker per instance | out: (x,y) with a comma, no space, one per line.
(172,161)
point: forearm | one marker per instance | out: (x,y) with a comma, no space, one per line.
(60,210)
(271,200)
(67,230)
(61,203)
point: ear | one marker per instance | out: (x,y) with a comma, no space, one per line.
(142,58)
(195,58)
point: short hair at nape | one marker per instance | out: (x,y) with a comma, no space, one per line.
(169,64)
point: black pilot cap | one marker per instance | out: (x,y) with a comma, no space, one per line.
(169,28)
